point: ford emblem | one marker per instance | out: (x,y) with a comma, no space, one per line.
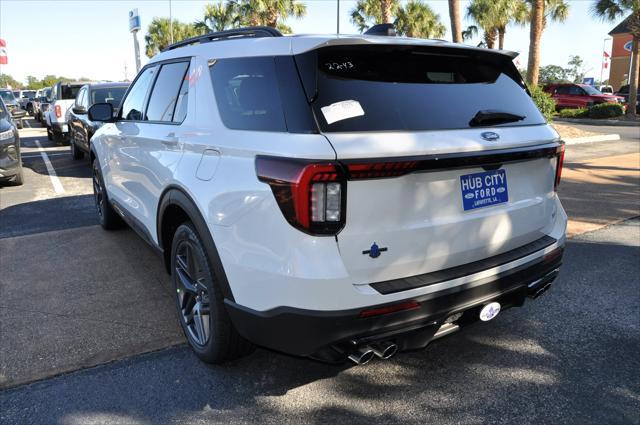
(489,311)
(490,136)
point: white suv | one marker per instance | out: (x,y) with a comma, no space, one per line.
(333,197)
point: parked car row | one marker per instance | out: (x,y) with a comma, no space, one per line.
(13,106)
(10,159)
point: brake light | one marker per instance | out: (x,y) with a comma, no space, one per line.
(559,164)
(58,111)
(310,195)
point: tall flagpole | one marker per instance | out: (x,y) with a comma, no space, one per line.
(170,22)
(338,18)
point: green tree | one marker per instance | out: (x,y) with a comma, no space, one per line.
(7,80)
(576,69)
(493,16)
(552,74)
(611,10)
(371,12)
(456,21)
(159,34)
(271,13)
(33,83)
(219,17)
(541,12)
(417,19)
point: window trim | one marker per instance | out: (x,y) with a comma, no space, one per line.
(176,104)
(148,94)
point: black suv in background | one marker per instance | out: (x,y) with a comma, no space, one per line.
(624,92)
(81,128)
(12,105)
(10,160)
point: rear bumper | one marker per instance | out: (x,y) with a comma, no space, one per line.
(60,127)
(325,334)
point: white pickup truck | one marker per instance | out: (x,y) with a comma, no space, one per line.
(63,95)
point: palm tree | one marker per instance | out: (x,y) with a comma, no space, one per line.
(542,11)
(269,12)
(456,22)
(219,17)
(371,12)
(159,34)
(612,10)
(417,19)
(494,16)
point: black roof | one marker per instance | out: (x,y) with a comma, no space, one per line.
(622,27)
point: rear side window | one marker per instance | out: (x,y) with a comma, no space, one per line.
(246,91)
(410,88)
(133,105)
(166,91)
(112,95)
(69,92)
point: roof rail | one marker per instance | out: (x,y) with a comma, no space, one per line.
(255,32)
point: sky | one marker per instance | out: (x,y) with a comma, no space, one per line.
(91,38)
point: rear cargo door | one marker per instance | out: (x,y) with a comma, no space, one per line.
(448,159)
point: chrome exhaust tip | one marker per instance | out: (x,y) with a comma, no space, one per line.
(385,350)
(362,355)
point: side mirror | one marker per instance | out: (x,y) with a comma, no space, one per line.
(80,110)
(101,112)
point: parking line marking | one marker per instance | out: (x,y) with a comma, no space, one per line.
(55,181)
(37,155)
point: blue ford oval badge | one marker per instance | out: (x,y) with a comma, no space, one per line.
(490,136)
(489,311)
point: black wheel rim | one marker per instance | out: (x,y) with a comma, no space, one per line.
(98,192)
(192,293)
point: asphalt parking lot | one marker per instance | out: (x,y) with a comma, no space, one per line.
(88,332)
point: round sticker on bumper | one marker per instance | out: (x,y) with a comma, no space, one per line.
(489,311)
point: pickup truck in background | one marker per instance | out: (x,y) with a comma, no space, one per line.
(63,95)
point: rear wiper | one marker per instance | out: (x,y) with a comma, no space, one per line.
(491,117)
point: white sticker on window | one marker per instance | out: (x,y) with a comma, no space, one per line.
(342,110)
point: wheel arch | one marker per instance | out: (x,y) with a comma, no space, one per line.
(174,208)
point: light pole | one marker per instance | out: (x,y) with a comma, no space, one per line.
(604,50)
(170,22)
(338,17)
(134,27)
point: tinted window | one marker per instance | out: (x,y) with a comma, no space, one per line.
(29,94)
(133,104)
(68,91)
(382,88)
(79,99)
(247,95)
(112,95)
(162,102)
(563,90)
(575,90)
(7,96)
(183,101)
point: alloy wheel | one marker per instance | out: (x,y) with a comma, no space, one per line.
(98,191)
(192,293)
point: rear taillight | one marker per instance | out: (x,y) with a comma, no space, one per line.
(311,195)
(559,163)
(58,111)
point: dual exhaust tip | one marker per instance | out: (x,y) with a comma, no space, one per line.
(363,355)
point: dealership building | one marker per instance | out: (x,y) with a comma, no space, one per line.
(620,54)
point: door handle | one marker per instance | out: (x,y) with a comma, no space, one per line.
(170,140)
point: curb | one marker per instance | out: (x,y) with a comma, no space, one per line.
(588,121)
(591,139)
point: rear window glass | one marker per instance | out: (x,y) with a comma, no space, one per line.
(69,92)
(246,91)
(112,95)
(382,88)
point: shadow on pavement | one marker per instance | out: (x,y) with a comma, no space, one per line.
(568,357)
(47,215)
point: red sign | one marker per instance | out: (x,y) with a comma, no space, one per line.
(3,52)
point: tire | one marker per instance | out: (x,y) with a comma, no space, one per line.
(18,180)
(199,300)
(58,137)
(76,152)
(109,219)
(20,125)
